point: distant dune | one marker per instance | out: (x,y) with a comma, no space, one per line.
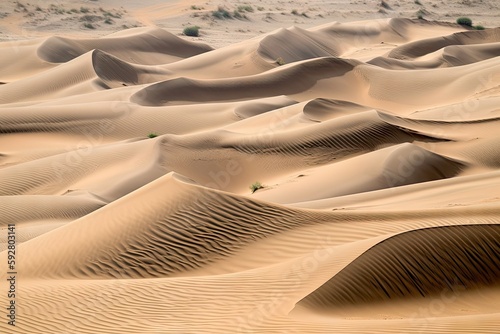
(340,178)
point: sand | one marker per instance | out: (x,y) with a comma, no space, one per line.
(328,176)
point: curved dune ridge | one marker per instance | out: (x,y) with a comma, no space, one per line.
(176,238)
(424,47)
(141,46)
(305,45)
(416,264)
(342,178)
(448,56)
(277,82)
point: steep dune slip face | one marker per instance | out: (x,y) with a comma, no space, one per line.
(457,258)
(343,178)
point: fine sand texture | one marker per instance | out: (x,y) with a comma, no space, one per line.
(341,178)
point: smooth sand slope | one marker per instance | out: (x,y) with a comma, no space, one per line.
(126,163)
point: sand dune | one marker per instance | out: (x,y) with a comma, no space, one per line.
(369,172)
(141,46)
(423,47)
(147,46)
(453,55)
(453,257)
(342,178)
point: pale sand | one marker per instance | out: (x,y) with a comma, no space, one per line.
(376,143)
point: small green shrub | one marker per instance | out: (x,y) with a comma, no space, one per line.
(239,16)
(193,31)
(420,14)
(245,8)
(295,12)
(385,5)
(221,13)
(84,10)
(89,25)
(226,14)
(260,9)
(108,21)
(152,135)
(464,21)
(479,27)
(116,16)
(418,2)
(280,61)
(256,186)
(88,18)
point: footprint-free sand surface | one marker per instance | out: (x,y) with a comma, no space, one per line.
(126,163)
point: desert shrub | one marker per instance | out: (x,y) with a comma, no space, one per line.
(465,21)
(192,31)
(418,2)
(84,10)
(152,135)
(221,13)
(20,5)
(245,8)
(421,13)
(479,27)
(295,12)
(239,16)
(89,25)
(385,5)
(108,21)
(116,16)
(256,186)
(280,61)
(91,18)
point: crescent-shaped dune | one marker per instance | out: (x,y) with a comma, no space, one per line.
(144,46)
(431,260)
